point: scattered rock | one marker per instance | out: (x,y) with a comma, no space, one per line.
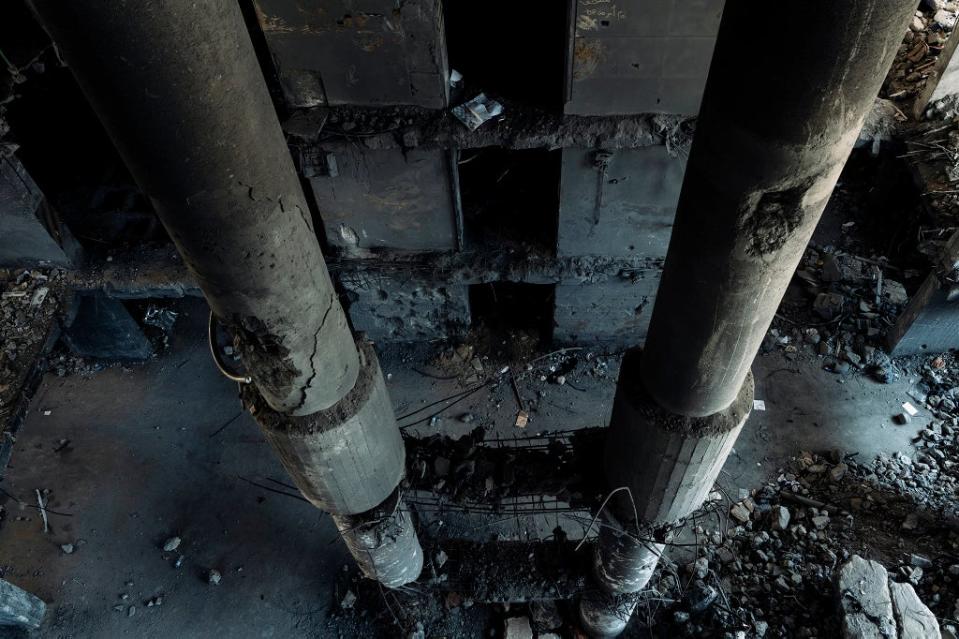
(214,577)
(780,517)
(67,549)
(171,544)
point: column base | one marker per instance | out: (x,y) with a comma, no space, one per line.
(625,560)
(669,462)
(604,615)
(348,458)
(384,542)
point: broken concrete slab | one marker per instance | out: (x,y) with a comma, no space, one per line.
(24,240)
(19,608)
(104,329)
(865,601)
(913,618)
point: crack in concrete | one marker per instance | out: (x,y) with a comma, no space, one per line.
(316,347)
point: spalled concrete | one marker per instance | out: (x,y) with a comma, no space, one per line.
(383,541)
(220,176)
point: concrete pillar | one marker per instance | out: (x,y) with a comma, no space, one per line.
(178,88)
(765,159)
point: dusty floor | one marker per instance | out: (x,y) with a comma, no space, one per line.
(135,456)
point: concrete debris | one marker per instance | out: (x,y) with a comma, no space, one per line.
(518,628)
(522,418)
(780,518)
(740,512)
(19,608)
(171,544)
(214,577)
(913,618)
(67,549)
(865,600)
(348,600)
(474,113)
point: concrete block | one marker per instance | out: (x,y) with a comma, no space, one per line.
(865,601)
(405,307)
(371,53)
(913,618)
(103,329)
(24,240)
(930,321)
(19,608)
(651,57)
(619,203)
(616,311)
(388,199)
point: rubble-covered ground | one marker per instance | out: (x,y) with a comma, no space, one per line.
(28,308)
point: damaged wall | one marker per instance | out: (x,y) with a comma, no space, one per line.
(369,52)
(641,57)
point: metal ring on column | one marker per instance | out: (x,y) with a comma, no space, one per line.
(211,330)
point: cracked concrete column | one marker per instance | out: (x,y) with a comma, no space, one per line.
(177,85)
(768,150)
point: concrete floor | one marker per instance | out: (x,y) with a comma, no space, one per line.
(161,449)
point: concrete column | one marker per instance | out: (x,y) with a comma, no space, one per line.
(768,150)
(765,159)
(178,88)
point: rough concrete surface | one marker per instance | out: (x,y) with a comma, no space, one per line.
(914,620)
(865,600)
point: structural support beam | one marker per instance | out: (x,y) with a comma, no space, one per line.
(763,164)
(178,88)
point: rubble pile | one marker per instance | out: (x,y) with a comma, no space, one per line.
(789,562)
(923,42)
(28,306)
(933,152)
(839,307)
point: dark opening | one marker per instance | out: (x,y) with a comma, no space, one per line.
(65,149)
(515,53)
(507,307)
(510,198)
